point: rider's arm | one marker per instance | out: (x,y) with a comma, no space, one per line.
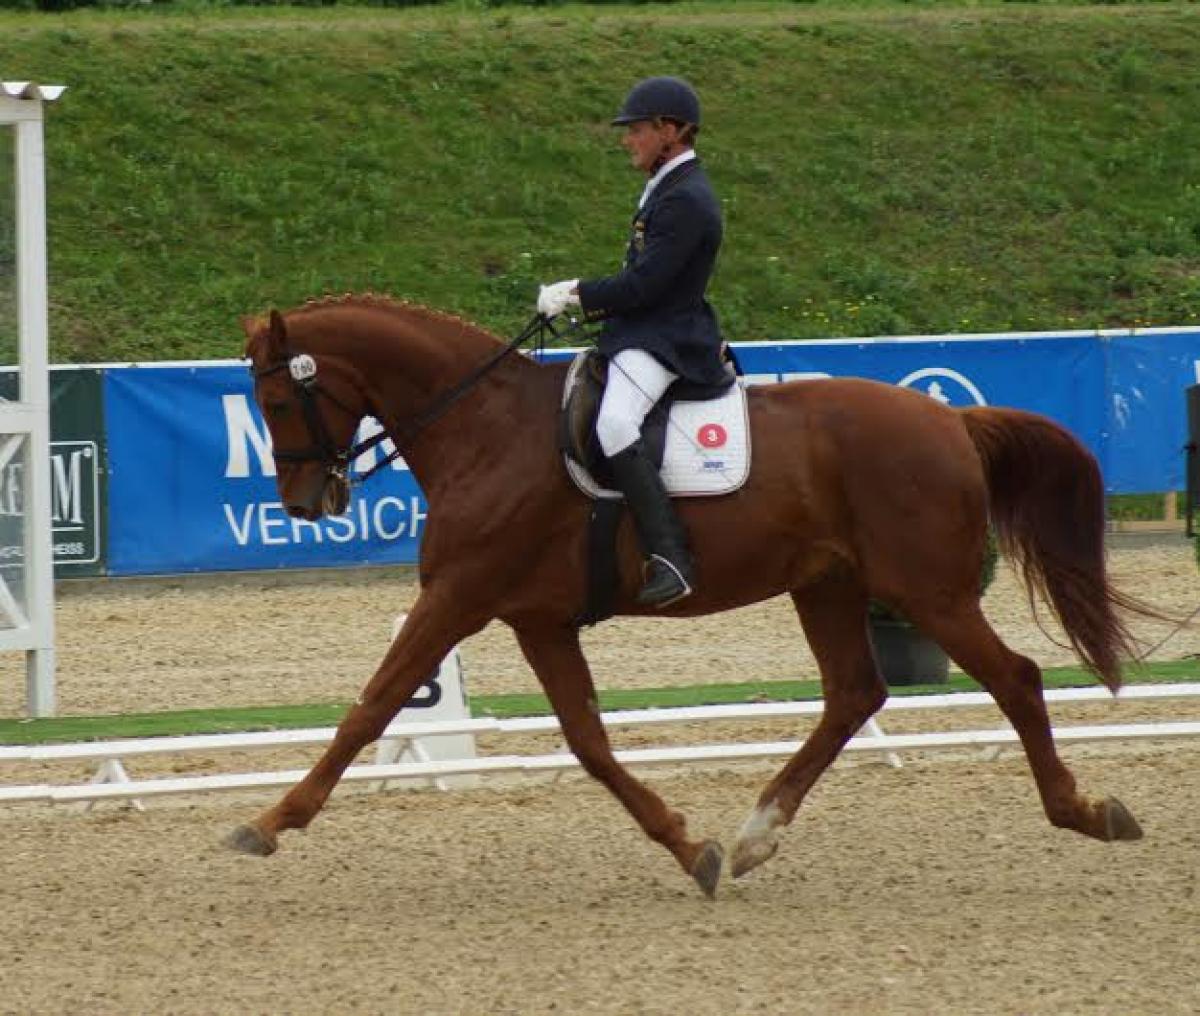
(672,235)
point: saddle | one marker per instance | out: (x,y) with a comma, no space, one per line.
(697,435)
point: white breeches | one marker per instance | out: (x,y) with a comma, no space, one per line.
(636,381)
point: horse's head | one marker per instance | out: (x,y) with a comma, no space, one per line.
(312,404)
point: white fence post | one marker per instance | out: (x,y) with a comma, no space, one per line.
(27,611)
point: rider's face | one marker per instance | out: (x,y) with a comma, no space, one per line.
(645,142)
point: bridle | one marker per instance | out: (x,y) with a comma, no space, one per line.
(302,368)
(307,388)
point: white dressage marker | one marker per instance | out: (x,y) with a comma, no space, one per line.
(441,699)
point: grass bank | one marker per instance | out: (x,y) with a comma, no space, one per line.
(885,168)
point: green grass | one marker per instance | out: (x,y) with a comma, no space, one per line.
(1142,507)
(886,167)
(217,721)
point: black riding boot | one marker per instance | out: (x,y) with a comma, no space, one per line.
(668,568)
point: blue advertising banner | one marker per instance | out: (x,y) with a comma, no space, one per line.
(1147,417)
(192,484)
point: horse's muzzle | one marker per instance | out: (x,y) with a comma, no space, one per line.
(303,511)
(330,497)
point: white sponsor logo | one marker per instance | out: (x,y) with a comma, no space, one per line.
(934,382)
(244,434)
(66,484)
(267,524)
(74,495)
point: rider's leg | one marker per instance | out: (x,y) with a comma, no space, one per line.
(636,381)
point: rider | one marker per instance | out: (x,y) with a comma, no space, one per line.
(657,324)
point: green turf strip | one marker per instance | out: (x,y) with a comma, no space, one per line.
(218,721)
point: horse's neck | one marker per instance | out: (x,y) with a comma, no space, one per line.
(474,432)
(410,361)
(417,369)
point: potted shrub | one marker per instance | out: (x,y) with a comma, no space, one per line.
(906,655)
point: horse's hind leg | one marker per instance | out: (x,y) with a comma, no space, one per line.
(1015,682)
(556,658)
(834,616)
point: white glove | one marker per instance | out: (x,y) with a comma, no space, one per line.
(557,297)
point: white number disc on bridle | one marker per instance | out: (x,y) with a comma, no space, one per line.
(302,367)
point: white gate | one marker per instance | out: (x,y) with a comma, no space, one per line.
(26,562)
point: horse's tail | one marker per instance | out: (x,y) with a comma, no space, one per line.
(1046,500)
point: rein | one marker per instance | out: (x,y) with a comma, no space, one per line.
(303,369)
(538,325)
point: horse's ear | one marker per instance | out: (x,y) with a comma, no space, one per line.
(276,336)
(253,328)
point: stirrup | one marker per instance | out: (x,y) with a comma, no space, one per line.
(664,584)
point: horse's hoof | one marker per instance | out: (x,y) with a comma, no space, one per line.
(749,854)
(707,869)
(757,839)
(249,839)
(1119,824)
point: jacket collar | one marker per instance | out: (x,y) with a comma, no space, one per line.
(667,169)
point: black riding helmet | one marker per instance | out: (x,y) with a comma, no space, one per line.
(666,98)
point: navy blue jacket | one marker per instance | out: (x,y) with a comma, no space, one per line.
(656,302)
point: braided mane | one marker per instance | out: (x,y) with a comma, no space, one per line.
(414,316)
(382,301)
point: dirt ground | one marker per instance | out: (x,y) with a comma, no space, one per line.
(936,888)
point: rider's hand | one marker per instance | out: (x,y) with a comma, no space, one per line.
(557,297)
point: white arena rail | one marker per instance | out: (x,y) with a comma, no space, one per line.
(112,782)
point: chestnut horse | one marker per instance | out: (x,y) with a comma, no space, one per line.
(858,490)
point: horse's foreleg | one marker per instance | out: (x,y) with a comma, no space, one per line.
(558,661)
(1015,682)
(834,616)
(428,635)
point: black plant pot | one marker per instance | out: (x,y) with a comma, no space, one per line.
(905,656)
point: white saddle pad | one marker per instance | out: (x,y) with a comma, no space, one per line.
(707,448)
